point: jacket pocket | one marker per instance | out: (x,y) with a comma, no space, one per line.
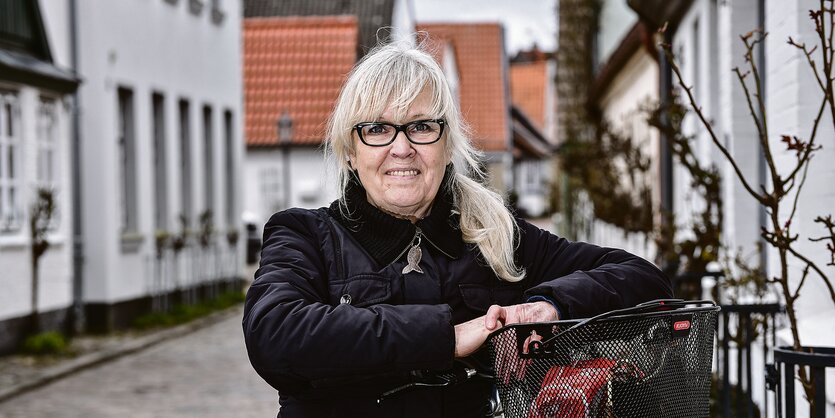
(476,297)
(361,290)
(507,294)
(479,297)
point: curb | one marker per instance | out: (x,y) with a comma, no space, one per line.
(100,357)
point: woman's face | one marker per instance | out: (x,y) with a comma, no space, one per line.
(402,178)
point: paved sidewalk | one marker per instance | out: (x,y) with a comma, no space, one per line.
(22,373)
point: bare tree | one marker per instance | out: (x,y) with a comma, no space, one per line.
(40,217)
(785,188)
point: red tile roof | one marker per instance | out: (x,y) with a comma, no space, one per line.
(528,86)
(479,49)
(295,64)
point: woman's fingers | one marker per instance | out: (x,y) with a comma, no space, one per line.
(496,316)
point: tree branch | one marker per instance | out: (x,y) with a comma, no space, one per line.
(807,151)
(762,126)
(799,188)
(812,63)
(709,127)
(817,270)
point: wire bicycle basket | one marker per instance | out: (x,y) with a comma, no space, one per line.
(652,360)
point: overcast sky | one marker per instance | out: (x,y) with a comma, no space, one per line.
(525,21)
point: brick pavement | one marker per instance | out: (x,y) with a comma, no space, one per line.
(205,373)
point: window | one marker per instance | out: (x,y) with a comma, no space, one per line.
(271,190)
(185,160)
(208,160)
(127,159)
(47,131)
(47,140)
(697,61)
(11,208)
(160,166)
(532,176)
(195,6)
(229,155)
(217,13)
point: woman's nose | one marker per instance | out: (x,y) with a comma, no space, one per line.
(401,147)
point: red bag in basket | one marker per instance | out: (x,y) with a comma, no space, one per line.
(579,390)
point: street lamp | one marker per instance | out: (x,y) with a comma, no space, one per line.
(285,137)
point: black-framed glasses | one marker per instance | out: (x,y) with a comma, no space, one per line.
(420,132)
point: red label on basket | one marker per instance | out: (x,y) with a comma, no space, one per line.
(681,325)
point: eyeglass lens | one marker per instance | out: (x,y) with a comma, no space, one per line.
(421,131)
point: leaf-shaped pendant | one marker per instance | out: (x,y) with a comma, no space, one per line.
(413,259)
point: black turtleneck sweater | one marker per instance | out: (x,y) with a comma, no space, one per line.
(385,237)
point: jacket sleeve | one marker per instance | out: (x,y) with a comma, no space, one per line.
(583,279)
(294,336)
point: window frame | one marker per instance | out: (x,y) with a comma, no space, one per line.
(126,141)
(11,160)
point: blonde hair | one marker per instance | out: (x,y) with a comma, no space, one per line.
(393,75)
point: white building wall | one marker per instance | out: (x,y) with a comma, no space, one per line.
(634,88)
(312,183)
(737,130)
(707,48)
(55,280)
(55,276)
(792,100)
(403,20)
(149,47)
(690,49)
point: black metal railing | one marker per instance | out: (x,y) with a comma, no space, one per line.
(782,377)
(211,269)
(740,326)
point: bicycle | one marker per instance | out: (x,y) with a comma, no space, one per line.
(651,360)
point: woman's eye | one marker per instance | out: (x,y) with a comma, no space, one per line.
(376,129)
(420,127)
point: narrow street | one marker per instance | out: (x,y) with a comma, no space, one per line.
(203,374)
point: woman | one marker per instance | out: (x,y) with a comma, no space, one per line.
(415,263)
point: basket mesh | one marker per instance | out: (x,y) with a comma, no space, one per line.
(642,365)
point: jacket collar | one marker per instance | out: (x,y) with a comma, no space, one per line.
(385,237)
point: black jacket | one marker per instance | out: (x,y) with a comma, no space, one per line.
(331,322)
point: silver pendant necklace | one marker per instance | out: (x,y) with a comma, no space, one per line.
(413,258)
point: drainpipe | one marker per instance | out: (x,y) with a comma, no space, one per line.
(761,166)
(78,320)
(665,78)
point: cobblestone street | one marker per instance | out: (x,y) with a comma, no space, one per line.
(205,374)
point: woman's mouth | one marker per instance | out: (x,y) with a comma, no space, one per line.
(403,173)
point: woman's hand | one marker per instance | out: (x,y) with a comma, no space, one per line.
(498,316)
(469,336)
(512,366)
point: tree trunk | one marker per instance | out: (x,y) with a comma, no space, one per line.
(34,322)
